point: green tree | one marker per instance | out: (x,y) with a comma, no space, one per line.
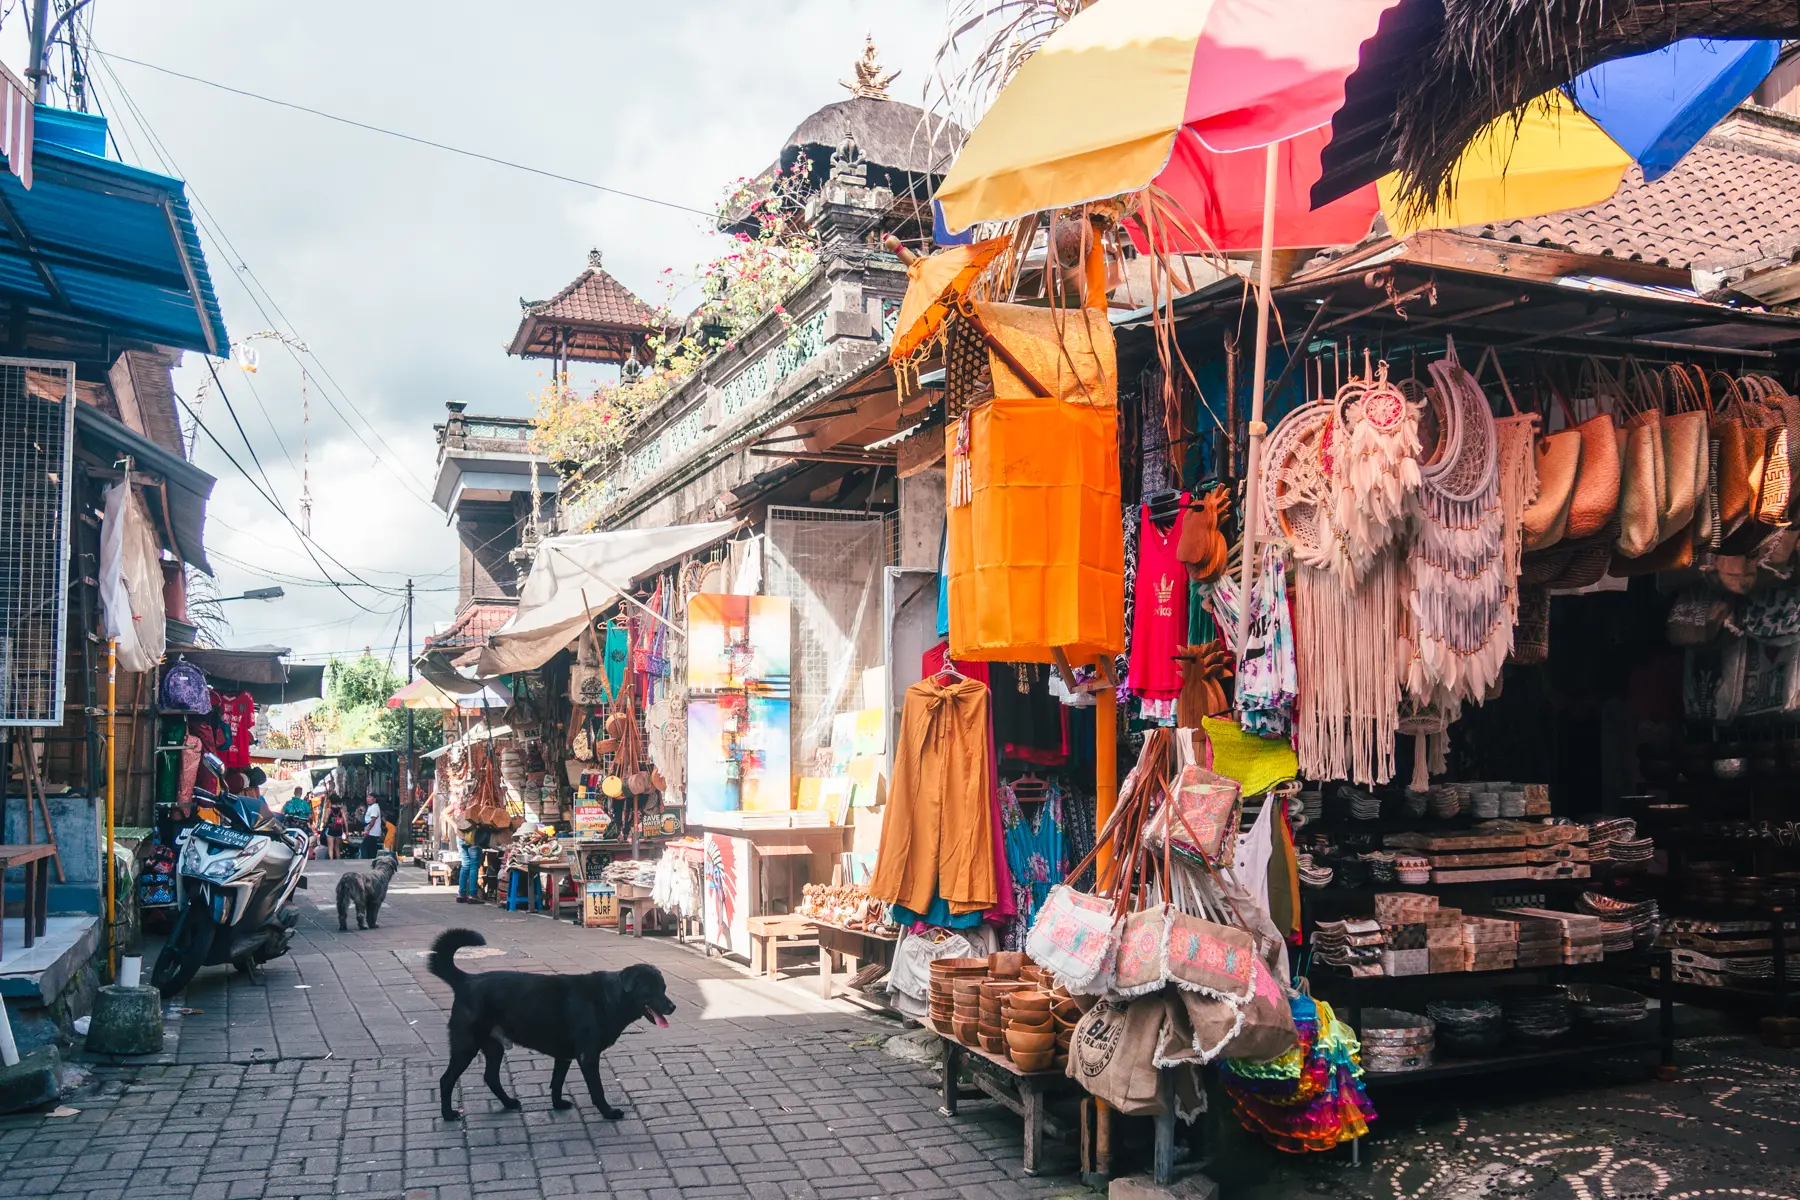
(355,712)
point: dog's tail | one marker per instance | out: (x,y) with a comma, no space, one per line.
(442,962)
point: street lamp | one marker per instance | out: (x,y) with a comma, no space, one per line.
(268,593)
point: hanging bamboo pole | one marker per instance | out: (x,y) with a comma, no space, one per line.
(112,709)
(1106,700)
(1259,377)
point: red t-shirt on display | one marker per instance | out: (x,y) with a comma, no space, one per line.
(239,714)
(1159,617)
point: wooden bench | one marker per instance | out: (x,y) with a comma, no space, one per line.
(1000,1080)
(769,936)
(37,888)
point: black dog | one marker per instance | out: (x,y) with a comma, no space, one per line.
(572,1018)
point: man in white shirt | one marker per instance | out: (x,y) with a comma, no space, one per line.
(373,828)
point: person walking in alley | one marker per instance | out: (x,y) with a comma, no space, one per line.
(373,829)
(475,839)
(334,823)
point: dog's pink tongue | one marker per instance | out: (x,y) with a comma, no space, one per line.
(661,1021)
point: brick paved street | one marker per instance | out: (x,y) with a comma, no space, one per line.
(322,1082)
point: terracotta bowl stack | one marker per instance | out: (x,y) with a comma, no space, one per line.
(946,973)
(1065,1013)
(1030,1028)
(992,1028)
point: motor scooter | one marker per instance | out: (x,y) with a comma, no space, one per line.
(234,885)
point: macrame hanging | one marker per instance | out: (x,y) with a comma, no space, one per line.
(1346,634)
(1460,597)
(1375,465)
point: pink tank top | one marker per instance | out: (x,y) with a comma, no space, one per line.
(1159,619)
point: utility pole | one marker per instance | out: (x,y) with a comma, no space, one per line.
(40,46)
(412,793)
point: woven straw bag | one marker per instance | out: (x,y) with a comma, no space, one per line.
(1588,561)
(1684,450)
(1531,637)
(1642,484)
(1558,459)
(1731,465)
(1596,496)
(1775,490)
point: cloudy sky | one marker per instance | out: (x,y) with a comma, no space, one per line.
(400,266)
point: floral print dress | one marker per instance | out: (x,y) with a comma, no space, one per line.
(1036,853)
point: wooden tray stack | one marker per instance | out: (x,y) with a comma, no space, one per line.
(1581,934)
(1489,944)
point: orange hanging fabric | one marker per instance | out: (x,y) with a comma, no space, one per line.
(1037,554)
(937,838)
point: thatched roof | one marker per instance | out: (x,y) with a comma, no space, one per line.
(894,136)
(905,148)
(1438,70)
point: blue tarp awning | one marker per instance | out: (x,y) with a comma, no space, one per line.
(105,243)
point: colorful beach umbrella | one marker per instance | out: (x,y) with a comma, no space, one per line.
(1571,147)
(1129,89)
(422,693)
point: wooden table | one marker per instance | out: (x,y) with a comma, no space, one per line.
(1000,1080)
(769,936)
(37,887)
(839,942)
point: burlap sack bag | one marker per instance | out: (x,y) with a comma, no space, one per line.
(1113,1051)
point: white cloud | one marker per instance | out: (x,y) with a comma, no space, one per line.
(402,266)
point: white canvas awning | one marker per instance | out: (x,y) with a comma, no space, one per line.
(552,607)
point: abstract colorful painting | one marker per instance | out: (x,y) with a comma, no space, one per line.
(738,749)
(739,716)
(739,643)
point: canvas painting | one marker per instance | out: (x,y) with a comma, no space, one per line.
(739,710)
(738,643)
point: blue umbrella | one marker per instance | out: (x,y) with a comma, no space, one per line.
(1657,106)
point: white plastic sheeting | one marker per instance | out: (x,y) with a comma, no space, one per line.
(131,581)
(580,573)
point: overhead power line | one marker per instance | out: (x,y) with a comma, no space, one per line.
(305,542)
(407,137)
(241,271)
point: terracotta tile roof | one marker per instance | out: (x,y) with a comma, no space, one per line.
(472,626)
(598,298)
(1724,205)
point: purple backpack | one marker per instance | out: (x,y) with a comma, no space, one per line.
(184,689)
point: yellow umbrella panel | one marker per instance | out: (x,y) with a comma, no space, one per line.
(1546,158)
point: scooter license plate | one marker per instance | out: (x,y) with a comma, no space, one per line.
(218,835)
